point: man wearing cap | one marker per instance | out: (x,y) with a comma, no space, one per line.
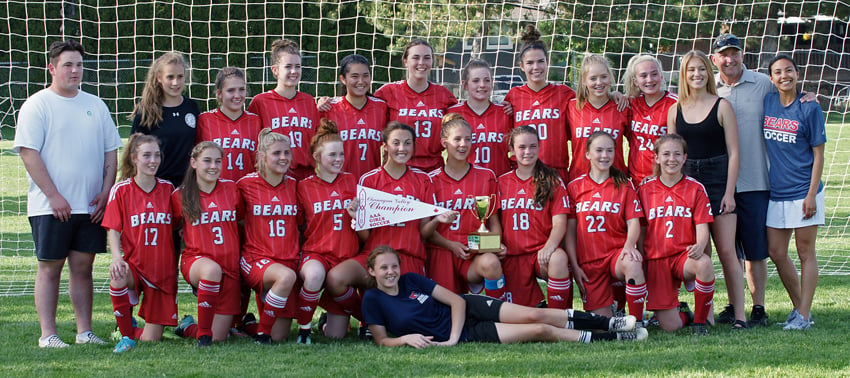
(746,90)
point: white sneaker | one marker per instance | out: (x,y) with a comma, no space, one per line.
(797,323)
(88,337)
(52,341)
(622,324)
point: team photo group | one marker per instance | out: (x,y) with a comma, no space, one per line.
(613,199)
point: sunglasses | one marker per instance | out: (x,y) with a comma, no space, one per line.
(727,40)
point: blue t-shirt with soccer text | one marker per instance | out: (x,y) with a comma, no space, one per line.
(790,133)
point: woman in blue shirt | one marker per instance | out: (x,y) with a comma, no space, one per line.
(420,313)
(795,135)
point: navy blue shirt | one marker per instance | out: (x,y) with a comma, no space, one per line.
(413,310)
(177,135)
(790,132)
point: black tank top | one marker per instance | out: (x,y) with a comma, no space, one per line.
(706,139)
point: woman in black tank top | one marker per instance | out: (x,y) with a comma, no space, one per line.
(707,122)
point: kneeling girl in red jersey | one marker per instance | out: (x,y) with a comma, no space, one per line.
(534,208)
(211,209)
(331,244)
(602,234)
(677,216)
(270,254)
(138,221)
(456,185)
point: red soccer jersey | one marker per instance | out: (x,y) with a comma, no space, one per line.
(271,218)
(403,237)
(601,212)
(360,130)
(328,223)
(648,123)
(237,137)
(672,215)
(589,119)
(545,111)
(525,225)
(422,111)
(490,132)
(215,234)
(145,223)
(460,195)
(297,118)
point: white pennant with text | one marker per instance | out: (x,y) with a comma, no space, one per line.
(376,208)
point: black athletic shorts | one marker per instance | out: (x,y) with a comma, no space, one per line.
(482,314)
(55,239)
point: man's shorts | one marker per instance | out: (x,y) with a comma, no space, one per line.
(521,272)
(789,214)
(663,280)
(229,295)
(600,275)
(482,314)
(158,307)
(751,235)
(55,239)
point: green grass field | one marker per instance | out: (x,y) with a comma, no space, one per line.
(762,352)
(769,351)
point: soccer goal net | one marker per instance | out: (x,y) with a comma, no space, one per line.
(123,37)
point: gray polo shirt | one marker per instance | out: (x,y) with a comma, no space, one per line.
(747,98)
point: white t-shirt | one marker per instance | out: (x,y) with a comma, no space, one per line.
(71,135)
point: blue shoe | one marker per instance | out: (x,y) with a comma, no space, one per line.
(124,345)
(184,323)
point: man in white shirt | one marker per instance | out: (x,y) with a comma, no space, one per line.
(68,143)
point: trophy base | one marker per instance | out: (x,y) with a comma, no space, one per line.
(484,242)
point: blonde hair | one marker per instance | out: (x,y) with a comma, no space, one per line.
(283,46)
(685,92)
(583,92)
(630,75)
(150,105)
(265,141)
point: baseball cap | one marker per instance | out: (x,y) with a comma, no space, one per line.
(725,41)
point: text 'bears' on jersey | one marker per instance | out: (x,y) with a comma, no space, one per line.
(360,134)
(215,216)
(150,218)
(537,114)
(274,210)
(293,121)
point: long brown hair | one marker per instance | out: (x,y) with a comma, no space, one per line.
(150,105)
(191,193)
(617,175)
(545,179)
(128,168)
